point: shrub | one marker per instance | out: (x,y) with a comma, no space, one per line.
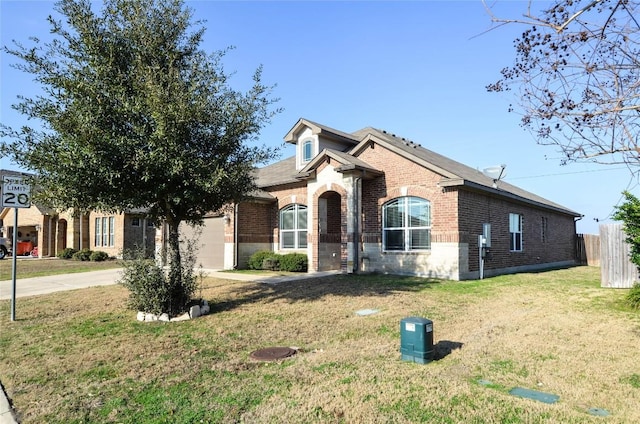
(271,263)
(82,255)
(149,289)
(294,262)
(67,253)
(266,259)
(98,256)
(633,297)
(153,290)
(256,260)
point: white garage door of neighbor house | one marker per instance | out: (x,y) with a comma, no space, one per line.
(211,243)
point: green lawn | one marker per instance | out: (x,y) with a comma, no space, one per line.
(82,358)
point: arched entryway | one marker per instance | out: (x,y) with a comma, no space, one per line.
(329,231)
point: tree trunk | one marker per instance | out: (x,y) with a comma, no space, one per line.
(178,295)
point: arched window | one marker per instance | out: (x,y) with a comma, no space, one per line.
(406,224)
(293,227)
(307,150)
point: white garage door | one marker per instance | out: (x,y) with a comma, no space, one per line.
(211,243)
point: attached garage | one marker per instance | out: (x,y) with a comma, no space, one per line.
(210,244)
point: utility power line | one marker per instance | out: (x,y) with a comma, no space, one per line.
(566,173)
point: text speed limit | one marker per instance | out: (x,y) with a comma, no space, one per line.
(15,193)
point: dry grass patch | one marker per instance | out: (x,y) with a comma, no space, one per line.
(81,357)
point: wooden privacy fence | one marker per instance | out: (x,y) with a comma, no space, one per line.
(588,249)
(616,269)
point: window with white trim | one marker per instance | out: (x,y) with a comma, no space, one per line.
(112,231)
(406,224)
(293,227)
(307,150)
(105,231)
(515,232)
(98,232)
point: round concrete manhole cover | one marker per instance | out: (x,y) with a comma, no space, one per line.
(272,353)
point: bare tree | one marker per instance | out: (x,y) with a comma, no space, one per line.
(577,69)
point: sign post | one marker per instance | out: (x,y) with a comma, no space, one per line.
(15,194)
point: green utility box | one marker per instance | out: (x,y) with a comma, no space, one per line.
(416,340)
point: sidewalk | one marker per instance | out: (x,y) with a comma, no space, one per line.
(55,283)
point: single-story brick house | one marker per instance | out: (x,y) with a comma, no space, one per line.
(370,201)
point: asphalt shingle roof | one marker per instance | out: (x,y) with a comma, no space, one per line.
(453,173)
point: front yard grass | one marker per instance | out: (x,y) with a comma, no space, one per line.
(83,358)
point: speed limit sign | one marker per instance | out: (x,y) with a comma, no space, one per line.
(15,193)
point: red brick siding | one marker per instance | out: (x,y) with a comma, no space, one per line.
(477,208)
(284,196)
(420,182)
(255,222)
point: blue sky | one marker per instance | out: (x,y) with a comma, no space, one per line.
(417,69)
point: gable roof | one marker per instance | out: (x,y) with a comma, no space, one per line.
(346,163)
(320,130)
(455,174)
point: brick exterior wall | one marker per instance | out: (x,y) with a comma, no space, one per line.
(255,222)
(457,216)
(403,177)
(557,246)
(126,236)
(285,196)
(258,222)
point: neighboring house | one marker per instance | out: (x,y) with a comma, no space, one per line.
(51,232)
(114,233)
(370,201)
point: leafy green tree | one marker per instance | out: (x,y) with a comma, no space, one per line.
(576,73)
(134,114)
(629,213)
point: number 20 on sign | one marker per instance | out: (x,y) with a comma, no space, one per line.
(15,193)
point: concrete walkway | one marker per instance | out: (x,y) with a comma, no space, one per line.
(54,283)
(44,285)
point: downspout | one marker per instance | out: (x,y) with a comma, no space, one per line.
(80,231)
(49,236)
(356,224)
(575,244)
(144,236)
(235,236)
